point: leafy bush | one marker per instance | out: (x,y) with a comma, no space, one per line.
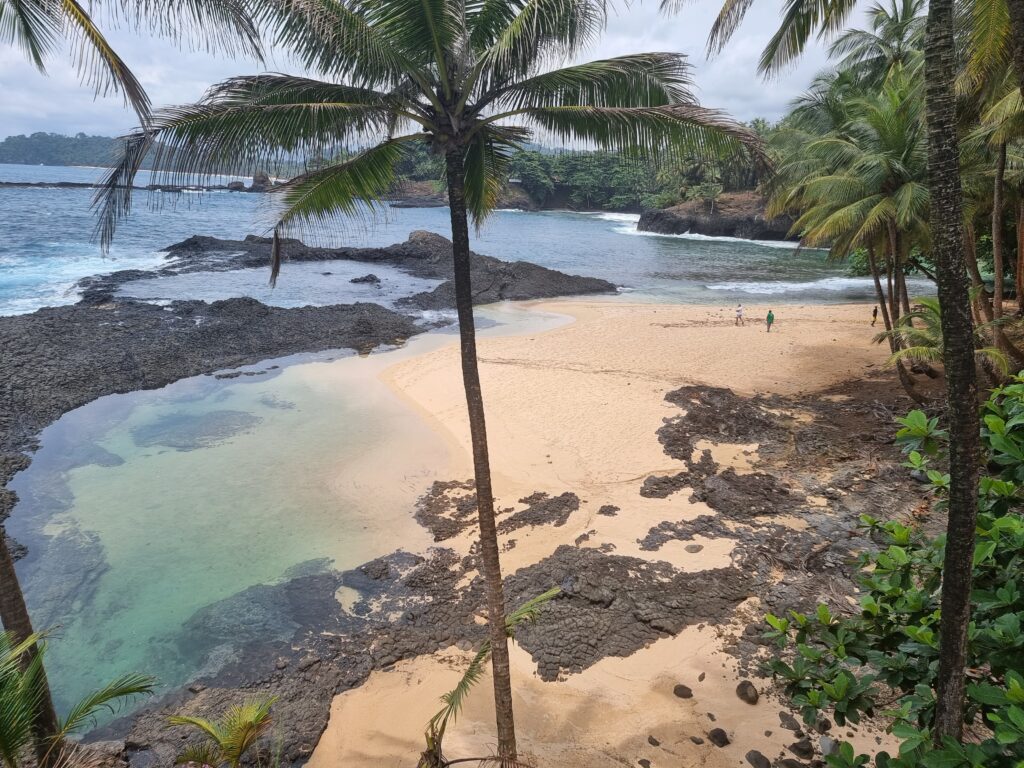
(884,661)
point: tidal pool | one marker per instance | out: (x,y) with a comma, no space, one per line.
(142,510)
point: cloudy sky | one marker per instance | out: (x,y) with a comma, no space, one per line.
(57,102)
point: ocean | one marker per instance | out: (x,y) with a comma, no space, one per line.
(46,245)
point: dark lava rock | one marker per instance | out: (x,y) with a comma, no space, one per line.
(612,605)
(541,509)
(732,214)
(747,692)
(824,725)
(718,737)
(236,186)
(693,548)
(682,691)
(608,510)
(698,740)
(644,763)
(803,749)
(757,760)
(787,721)
(370,278)
(653,741)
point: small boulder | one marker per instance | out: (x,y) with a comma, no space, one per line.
(371,278)
(802,749)
(696,739)
(682,691)
(653,741)
(236,186)
(644,763)
(718,737)
(757,760)
(746,691)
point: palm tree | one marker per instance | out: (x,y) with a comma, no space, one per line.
(800,20)
(23,688)
(45,28)
(17,622)
(465,80)
(922,340)
(859,183)
(229,738)
(894,40)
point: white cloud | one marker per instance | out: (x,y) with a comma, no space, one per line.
(58,102)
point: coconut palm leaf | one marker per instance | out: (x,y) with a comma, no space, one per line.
(314,201)
(20,696)
(32,26)
(454,699)
(228,739)
(109,697)
(41,28)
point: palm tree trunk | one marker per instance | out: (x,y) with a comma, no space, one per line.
(971,254)
(906,380)
(961,373)
(481,462)
(16,620)
(880,295)
(1019,271)
(997,231)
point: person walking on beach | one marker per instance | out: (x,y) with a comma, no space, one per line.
(739,314)
(769,320)
(874,315)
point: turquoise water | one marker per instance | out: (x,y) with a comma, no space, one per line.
(46,246)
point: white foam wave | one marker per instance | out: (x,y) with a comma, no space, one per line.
(767,288)
(786,244)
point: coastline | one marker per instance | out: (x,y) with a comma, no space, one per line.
(581,422)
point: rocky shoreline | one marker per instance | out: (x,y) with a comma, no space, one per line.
(302,646)
(731,214)
(60,358)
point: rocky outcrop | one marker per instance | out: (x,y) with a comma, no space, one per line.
(424,254)
(60,358)
(732,214)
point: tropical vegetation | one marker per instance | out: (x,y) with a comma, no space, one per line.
(471,83)
(23,691)
(882,662)
(227,740)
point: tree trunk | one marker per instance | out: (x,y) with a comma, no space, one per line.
(1019,271)
(971,254)
(880,295)
(961,374)
(15,618)
(481,462)
(906,380)
(997,232)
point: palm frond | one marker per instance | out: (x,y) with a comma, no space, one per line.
(213,730)
(540,32)
(243,725)
(313,201)
(486,166)
(110,697)
(800,20)
(339,40)
(33,26)
(201,753)
(98,63)
(639,80)
(658,132)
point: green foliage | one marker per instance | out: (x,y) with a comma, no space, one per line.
(883,661)
(229,739)
(55,149)
(22,692)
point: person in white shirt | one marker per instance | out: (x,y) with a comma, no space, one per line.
(739,314)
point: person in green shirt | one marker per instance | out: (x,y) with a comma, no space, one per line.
(770,319)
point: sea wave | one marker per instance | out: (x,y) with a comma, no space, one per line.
(786,244)
(776,287)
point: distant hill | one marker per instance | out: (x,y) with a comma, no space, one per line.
(55,149)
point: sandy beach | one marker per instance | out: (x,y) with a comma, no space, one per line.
(577,409)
